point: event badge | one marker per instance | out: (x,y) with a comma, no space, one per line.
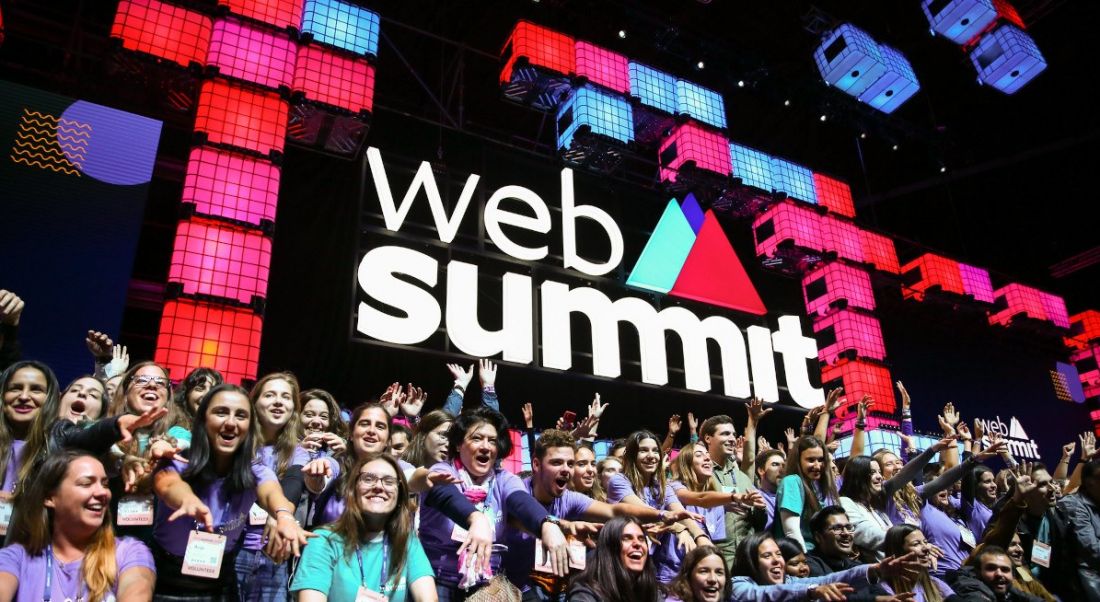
(968,536)
(5,516)
(367,595)
(577,555)
(203,557)
(727,488)
(135,510)
(1040,554)
(257,516)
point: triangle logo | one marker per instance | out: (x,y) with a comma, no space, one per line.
(1015,430)
(689,256)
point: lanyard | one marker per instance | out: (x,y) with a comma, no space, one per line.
(385,567)
(225,513)
(47,593)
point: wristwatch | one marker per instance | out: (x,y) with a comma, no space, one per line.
(553,520)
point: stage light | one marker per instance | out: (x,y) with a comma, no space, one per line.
(231,185)
(928,271)
(836,285)
(603,114)
(740,83)
(786,103)
(962,20)
(863,135)
(943,169)
(976,283)
(603,67)
(845,332)
(213,258)
(793,179)
(752,166)
(894,147)
(280,13)
(700,65)
(704,105)
(850,59)
(1055,307)
(622,34)
(232,114)
(653,88)
(1014,300)
(331,78)
(834,194)
(254,55)
(343,25)
(163,30)
(197,334)
(823,117)
(1007,59)
(691,142)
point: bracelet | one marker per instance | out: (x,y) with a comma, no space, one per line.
(861,425)
(700,535)
(489,389)
(287,510)
(459,388)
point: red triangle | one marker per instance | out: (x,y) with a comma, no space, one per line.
(713,273)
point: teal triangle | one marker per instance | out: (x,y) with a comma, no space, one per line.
(664,255)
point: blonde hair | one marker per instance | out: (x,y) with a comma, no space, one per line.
(684,469)
(291,433)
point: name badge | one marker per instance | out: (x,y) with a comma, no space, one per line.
(5,516)
(257,516)
(367,595)
(459,534)
(967,536)
(1040,554)
(577,554)
(727,488)
(203,557)
(135,510)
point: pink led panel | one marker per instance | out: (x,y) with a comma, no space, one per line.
(1086,328)
(976,282)
(879,251)
(834,195)
(196,334)
(255,55)
(833,282)
(690,142)
(231,185)
(211,258)
(844,237)
(164,30)
(931,270)
(1087,361)
(845,331)
(280,13)
(861,378)
(334,79)
(542,47)
(1020,299)
(249,119)
(788,221)
(514,461)
(603,67)
(1055,307)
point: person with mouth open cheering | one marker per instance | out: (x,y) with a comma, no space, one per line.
(702,578)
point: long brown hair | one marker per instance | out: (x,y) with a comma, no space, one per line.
(680,586)
(597,493)
(894,545)
(291,433)
(684,469)
(826,483)
(417,453)
(119,406)
(32,524)
(38,436)
(634,474)
(399,524)
(53,400)
(336,424)
(907,496)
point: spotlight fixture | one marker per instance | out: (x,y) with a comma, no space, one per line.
(943,169)
(895,147)
(823,117)
(622,34)
(787,103)
(740,83)
(700,65)
(863,135)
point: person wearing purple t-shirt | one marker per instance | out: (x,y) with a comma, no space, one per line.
(27,387)
(771,466)
(61,541)
(979,493)
(215,492)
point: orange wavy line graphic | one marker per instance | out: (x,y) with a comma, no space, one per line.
(40,142)
(71,172)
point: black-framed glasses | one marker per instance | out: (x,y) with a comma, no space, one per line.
(369,480)
(838,529)
(146,379)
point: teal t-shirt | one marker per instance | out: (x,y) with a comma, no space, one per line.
(325,568)
(182,436)
(791,497)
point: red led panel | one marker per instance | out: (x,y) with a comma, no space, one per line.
(1086,328)
(280,13)
(334,79)
(231,185)
(834,195)
(603,67)
(976,282)
(861,378)
(1019,299)
(249,119)
(846,331)
(930,270)
(848,423)
(1009,13)
(834,282)
(196,334)
(255,55)
(1088,367)
(541,47)
(879,251)
(843,237)
(690,142)
(1055,307)
(163,30)
(514,462)
(788,221)
(211,258)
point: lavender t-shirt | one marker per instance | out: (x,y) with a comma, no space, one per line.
(667,556)
(980,515)
(230,512)
(714,526)
(254,534)
(436,528)
(67,578)
(945,532)
(521,544)
(11,473)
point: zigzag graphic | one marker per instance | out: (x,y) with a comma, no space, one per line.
(47,158)
(75,124)
(71,172)
(46,148)
(38,143)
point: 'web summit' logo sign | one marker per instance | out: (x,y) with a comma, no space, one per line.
(689,256)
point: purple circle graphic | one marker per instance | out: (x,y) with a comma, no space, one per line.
(109,145)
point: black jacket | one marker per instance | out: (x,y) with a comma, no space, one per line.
(968,586)
(1080,568)
(820,566)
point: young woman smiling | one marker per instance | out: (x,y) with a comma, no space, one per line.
(371,546)
(585,479)
(186,401)
(64,549)
(323,428)
(808,486)
(27,386)
(214,491)
(702,578)
(620,570)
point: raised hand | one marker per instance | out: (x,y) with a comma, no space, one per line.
(757,411)
(1068,449)
(584,427)
(462,377)
(120,361)
(951,415)
(11,307)
(964,432)
(892,567)
(943,444)
(529,415)
(674,424)
(414,401)
(862,407)
(693,424)
(979,431)
(791,437)
(1088,445)
(487,372)
(128,423)
(99,344)
(596,409)
(833,399)
(905,400)
(391,398)
(762,444)
(996,446)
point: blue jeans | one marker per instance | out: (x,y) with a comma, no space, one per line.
(259,579)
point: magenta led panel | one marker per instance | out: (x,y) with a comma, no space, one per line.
(847,331)
(690,142)
(879,251)
(1087,362)
(843,237)
(230,185)
(280,13)
(834,282)
(861,378)
(255,55)
(330,78)
(603,67)
(1055,307)
(976,283)
(217,259)
(1019,299)
(1086,329)
(250,119)
(788,221)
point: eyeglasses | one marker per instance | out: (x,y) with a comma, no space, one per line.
(145,379)
(369,480)
(838,529)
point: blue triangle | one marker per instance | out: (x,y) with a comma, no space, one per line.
(663,256)
(693,212)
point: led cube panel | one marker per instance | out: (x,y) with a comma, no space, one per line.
(752,166)
(898,84)
(846,331)
(849,59)
(280,13)
(1055,307)
(691,142)
(231,185)
(861,378)
(700,103)
(1007,59)
(255,55)
(1087,362)
(836,283)
(788,222)
(879,251)
(196,334)
(843,237)
(1067,383)
(959,20)
(332,78)
(211,258)
(514,463)
(541,47)
(834,194)
(653,88)
(343,25)
(793,179)
(931,270)
(603,113)
(163,30)
(1018,299)
(976,283)
(1085,327)
(603,67)
(235,115)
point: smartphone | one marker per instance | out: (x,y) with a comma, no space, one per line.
(569,417)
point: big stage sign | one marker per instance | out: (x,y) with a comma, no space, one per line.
(408,306)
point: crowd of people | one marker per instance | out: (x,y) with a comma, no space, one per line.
(124,485)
